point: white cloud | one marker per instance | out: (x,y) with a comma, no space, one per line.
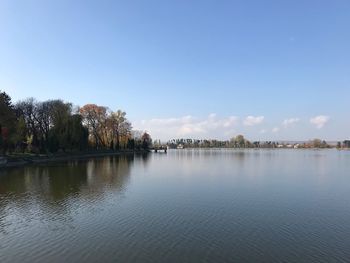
(217,127)
(189,127)
(290,122)
(212,116)
(276,129)
(251,120)
(319,121)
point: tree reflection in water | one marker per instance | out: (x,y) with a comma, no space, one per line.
(55,185)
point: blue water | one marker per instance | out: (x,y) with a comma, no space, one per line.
(184,206)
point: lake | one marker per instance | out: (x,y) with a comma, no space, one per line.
(215,205)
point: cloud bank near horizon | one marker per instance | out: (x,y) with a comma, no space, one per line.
(190,127)
(215,127)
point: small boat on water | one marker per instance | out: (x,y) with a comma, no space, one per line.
(180,146)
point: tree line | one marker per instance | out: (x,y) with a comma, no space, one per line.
(54,125)
(240,141)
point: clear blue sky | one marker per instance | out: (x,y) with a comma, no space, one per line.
(161,61)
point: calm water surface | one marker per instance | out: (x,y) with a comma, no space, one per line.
(184,206)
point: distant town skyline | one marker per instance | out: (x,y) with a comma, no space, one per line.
(270,70)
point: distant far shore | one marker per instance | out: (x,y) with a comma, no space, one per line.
(16,160)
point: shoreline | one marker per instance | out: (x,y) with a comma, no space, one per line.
(19,160)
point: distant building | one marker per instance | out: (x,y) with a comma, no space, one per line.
(180,146)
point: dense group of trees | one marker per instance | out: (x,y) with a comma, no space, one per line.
(236,142)
(240,141)
(107,128)
(49,126)
(55,125)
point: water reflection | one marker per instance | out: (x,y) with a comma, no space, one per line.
(58,187)
(213,205)
(59,181)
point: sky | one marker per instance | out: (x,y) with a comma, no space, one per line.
(271,70)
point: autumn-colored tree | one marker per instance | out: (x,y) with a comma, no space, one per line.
(107,128)
(238,141)
(120,128)
(94,117)
(316,143)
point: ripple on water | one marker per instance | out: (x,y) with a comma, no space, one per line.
(183,207)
